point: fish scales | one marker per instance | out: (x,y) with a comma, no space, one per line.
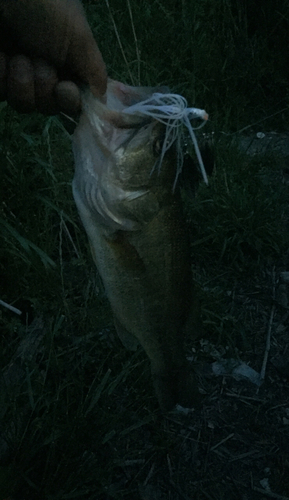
(137,233)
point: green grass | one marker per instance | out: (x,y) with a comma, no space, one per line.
(239,219)
(70,417)
(84,405)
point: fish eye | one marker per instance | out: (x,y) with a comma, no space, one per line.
(158,146)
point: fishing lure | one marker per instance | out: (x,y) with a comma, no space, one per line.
(172,110)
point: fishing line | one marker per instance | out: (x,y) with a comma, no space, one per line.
(172,110)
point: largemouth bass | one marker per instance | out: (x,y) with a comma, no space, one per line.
(137,233)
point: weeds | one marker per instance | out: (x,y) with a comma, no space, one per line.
(240,219)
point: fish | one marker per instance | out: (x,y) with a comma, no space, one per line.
(138,234)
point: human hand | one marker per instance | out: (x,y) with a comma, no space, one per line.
(46,50)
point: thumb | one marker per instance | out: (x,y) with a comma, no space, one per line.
(84,60)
